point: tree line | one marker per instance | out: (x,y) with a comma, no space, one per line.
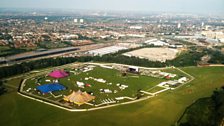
(51,62)
(189,58)
(206,111)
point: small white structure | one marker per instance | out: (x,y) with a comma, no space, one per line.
(172,83)
(81,20)
(163,74)
(135,27)
(133,69)
(101,80)
(107,91)
(80,84)
(75,20)
(119,98)
(182,80)
(172,75)
(56,81)
(122,87)
(162,84)
(167,74)
(48,80)
(179,25)
(28,90)
(136,35)
(176,46)
(156,42)
(109,83)
(159,43)
(87,69)
(155,72)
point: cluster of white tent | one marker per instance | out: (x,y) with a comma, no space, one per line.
(87,69)
(173,82)
(80,84)
(122,87)
(106,91)
(96,79)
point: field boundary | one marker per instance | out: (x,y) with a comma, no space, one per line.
(133,100)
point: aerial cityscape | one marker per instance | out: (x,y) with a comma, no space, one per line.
(112,63)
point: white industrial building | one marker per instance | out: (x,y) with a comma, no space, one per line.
(106,50)
(135,27)
(81,20)
(156,42)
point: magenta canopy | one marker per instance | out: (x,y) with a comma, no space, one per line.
(58,74)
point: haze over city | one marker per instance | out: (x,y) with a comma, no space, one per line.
(192,6)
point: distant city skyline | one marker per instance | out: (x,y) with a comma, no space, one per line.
(191,6)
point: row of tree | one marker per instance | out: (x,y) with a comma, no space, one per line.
(50,62)
(189,58)
(29,66)
(217,57)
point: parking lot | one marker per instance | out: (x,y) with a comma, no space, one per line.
(154,54)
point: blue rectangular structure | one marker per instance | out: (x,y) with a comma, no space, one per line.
(46,88)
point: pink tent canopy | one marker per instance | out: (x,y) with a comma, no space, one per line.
(58,74)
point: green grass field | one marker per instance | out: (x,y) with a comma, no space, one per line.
(162,110)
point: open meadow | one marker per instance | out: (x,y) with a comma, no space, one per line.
(162,110)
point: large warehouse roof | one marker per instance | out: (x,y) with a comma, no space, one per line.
(106,50)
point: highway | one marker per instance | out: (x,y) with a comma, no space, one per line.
(81,49)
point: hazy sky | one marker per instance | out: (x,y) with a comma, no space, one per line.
(199,6)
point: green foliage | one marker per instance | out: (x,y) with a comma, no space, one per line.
(216,57)
(218,99)
(189,58)
(28,66)
(162,110)
(11,51)
(2,88)
(206,111)
(128,60)
(6,37)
